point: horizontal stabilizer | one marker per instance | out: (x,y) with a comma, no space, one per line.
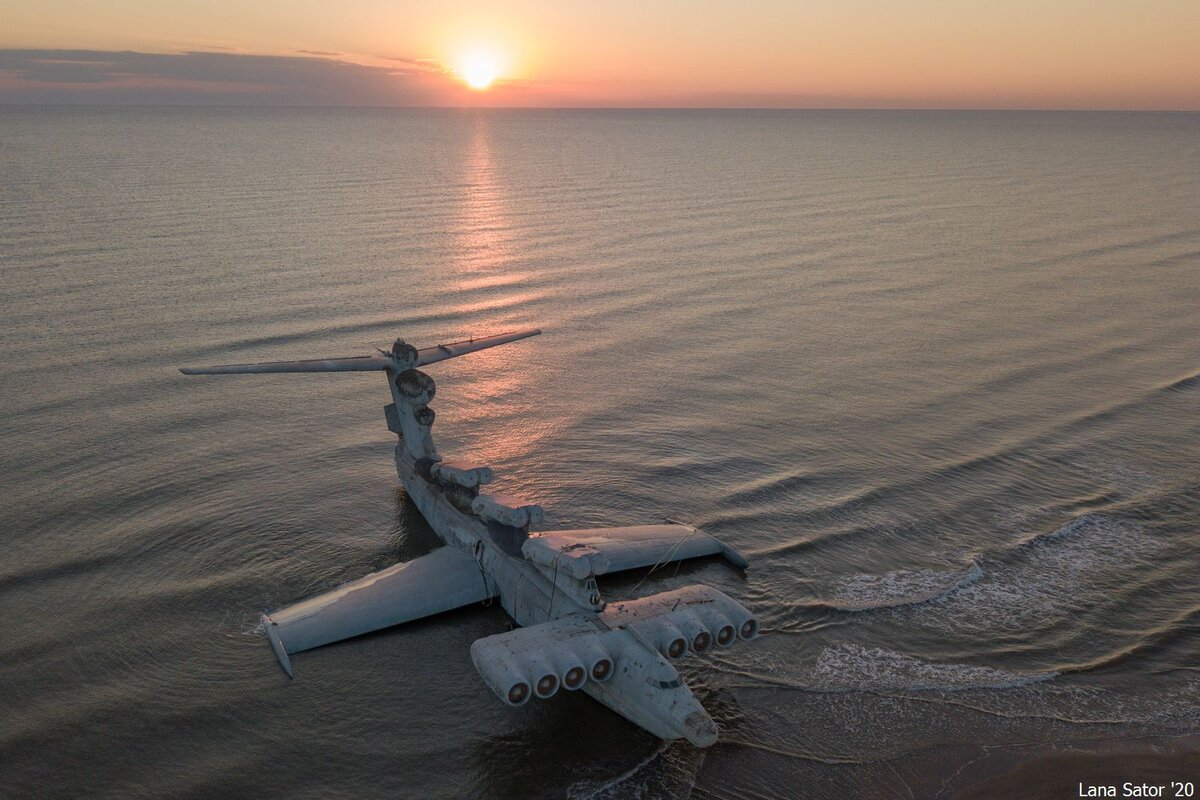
(599,551)
(353,364)
(440,581)
(406,358)
(441,352)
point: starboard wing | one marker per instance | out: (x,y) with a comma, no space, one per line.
(439,581)
(598,551)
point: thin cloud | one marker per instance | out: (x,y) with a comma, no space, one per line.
(423,64)
(49,76)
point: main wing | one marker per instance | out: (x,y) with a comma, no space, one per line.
(598,551)
(439,581)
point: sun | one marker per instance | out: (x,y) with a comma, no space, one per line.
(479,68)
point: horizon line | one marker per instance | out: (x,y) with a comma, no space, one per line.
(482,107)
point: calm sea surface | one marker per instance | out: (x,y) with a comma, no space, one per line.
(936,374)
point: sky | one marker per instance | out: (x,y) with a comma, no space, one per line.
(1070,54)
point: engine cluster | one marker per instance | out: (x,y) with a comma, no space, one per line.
(569,651)
(701,617)
(516,675)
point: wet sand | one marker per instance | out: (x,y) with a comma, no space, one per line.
(1115,765)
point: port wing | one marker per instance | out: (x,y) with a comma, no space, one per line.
(598,551)
(440,581)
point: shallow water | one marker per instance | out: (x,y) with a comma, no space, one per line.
(935,374)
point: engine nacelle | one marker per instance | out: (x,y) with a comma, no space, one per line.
(674,645)
(698,637)
(663,636)
(748,629)
(599,662)
(467,476)
(571,671)
(719,625)
(545,678)
(502,676)
(507,510)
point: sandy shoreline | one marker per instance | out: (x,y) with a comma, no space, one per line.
(1060,776)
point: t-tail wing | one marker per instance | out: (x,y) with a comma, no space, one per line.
(411,357)
(598,551)
(439,581)
(352,364)
(440,352)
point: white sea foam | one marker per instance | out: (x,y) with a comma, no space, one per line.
(855,667)
(1051,575)
(1121,475)
(898,588)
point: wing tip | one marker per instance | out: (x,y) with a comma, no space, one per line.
(733,556)
(277,644)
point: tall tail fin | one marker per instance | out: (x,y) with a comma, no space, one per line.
(428,355)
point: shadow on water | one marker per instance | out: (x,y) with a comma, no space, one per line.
(411,536)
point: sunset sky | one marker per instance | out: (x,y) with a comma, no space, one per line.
(802,53)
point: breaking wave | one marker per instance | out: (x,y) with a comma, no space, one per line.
(852,667)
(897,588)
(1045,578)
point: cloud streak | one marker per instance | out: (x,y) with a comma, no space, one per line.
(206,77)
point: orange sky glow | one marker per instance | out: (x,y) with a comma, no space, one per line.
(864,54)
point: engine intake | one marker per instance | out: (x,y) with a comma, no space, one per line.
(574,677)
(602,670)
(545,684)
(518,693)
(506,679)
(718,625)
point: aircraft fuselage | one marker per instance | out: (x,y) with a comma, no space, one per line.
(644,688)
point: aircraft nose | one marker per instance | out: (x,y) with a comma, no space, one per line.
(699,729)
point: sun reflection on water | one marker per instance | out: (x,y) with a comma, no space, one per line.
(484,237)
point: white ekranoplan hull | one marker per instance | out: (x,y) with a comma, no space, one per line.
(620,653)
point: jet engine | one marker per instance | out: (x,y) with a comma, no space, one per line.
(502,676)
(664,637)
(599,662)
(719,625)
(694,618)
(545,683)
(570,669)
(698,637)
